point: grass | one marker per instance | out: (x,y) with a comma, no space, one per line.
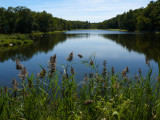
(89,29)
(14,40)
(158,33)
(42,33)
(117,30)
(102,96)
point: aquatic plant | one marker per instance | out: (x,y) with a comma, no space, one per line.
(99,97)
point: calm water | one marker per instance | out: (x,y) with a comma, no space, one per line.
(120,49)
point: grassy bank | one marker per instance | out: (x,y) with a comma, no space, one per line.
(158,33)
(101,96)
(117,30)
(14,40)
(42,33)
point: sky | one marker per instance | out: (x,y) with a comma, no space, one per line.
(83,10)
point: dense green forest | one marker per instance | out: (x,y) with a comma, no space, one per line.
(142,19)
(23,20)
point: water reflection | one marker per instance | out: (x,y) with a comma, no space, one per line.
(42,43)
(148,44)
(110,46)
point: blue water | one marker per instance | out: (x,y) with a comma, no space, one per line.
(87,43)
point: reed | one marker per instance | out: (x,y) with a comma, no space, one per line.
(100,96)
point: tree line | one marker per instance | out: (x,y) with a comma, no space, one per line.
(142,19)
(22,20)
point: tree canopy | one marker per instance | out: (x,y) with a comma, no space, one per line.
(22,20)
(142,19)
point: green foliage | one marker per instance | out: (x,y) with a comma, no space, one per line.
(23,20)
(143,19)
(14,40)
(99,97)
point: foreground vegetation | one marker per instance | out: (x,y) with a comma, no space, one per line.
(101,96)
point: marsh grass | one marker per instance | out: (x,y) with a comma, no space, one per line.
(117,30)
(14,40)
(42,33)
(102,96)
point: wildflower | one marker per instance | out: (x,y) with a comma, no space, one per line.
(136,77)
(88,102)
(80,56)
(140,72)
(108,75)
(112,70)
(125,71)
(30,83)
(23,74)
(116,85)
(5,89)
(104,71)
(126,78)
(91,63)
(53,59)
(72,71)
(18,65)
(97,77)
(52,64)
(85,80)
(147,60)
(128,83)
(90,75)
(15,84)
(104,63)
(42,74)
(70,58)
(158,78)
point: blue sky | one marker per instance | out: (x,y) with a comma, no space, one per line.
(84,10)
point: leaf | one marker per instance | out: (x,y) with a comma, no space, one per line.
(115,113)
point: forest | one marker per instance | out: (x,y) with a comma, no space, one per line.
(22,20)
(142,19)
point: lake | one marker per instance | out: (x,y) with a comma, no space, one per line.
(119,49)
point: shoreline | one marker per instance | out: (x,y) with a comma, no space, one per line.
(18,39)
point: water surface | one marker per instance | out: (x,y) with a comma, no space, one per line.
(120,49)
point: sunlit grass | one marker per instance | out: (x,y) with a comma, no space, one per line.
(117,30)
(14,40)
(42,33)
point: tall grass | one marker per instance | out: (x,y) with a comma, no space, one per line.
(102,96)
(14,40)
